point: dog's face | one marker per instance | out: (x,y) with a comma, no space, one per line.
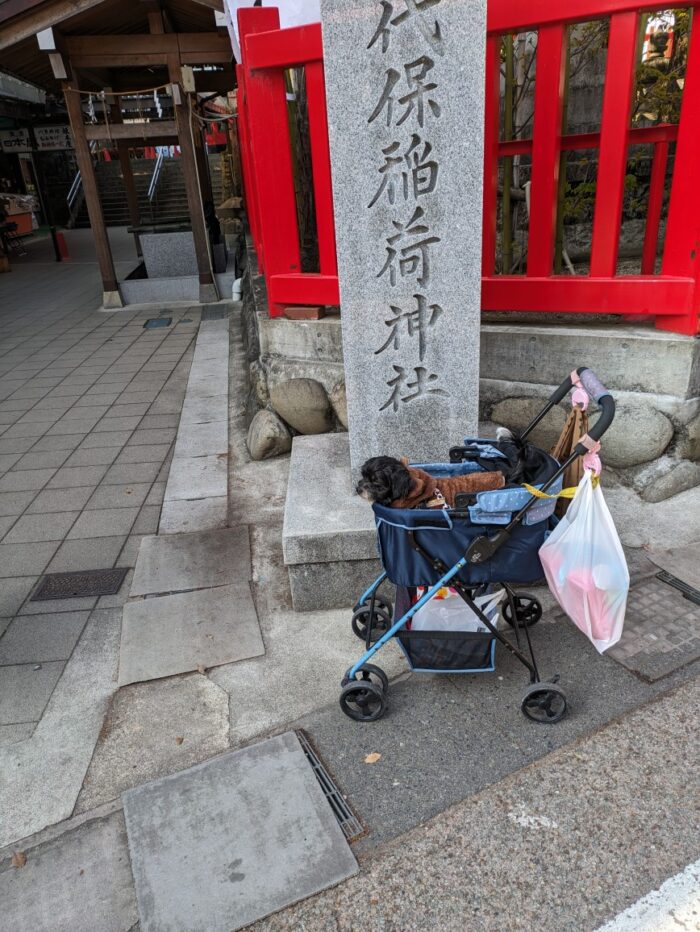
(384,479)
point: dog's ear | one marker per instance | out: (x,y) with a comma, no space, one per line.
(401,481)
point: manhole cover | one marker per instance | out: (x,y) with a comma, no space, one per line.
(82,585)
(662,631)
(158,322)
(350,824)
(214,313)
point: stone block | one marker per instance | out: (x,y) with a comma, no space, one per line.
(304,313)
(330,585)
(268,436)
(167,255)
(339,402)
(403,380)
(625,357)
(304,404)
(665,477)
(638,434)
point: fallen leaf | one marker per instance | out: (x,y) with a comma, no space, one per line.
(201,668)
(372,758)
(81,871)
(374,901)
(179,740)
(19,858)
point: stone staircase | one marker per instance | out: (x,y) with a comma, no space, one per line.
(170,202)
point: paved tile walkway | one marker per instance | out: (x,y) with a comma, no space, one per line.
(89,407)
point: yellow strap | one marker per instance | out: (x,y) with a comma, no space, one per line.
(565,493)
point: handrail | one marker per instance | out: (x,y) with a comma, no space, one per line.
(78,181)
(155,177)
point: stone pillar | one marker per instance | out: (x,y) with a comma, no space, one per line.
(405,88)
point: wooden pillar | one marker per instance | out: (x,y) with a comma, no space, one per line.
(111,297)
(132,197)
(207,284)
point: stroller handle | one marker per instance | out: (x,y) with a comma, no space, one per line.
(595,390)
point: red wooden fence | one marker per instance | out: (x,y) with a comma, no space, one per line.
(672,297)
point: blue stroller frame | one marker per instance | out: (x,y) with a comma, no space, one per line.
(435,548)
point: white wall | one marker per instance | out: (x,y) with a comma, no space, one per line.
(292,13)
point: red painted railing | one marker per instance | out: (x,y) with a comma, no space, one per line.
(672,297)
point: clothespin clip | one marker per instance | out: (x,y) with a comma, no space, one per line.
(579,396)
(591,460)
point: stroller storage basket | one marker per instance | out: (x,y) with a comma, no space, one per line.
(448,651)
(448,538)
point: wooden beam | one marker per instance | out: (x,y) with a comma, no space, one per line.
(133,131)
(207,286)
(19,27)
(83,157)
(198,48)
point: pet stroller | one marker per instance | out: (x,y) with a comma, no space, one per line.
(489,541)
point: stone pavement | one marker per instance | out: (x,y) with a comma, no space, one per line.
(89,406)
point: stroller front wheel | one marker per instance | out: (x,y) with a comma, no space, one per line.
(363,701)
(381,622)
(528,611)
(544,703)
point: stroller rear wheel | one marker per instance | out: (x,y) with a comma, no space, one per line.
(544,703)
(383,604)
(363,701)
(381,621)
(528,610)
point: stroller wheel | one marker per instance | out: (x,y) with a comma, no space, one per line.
(379,603)
(544,703)
(369,673)
(528,610)
(363,701)
(381,622)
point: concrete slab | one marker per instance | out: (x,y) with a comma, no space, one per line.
(79,882)
(179,633)
(195,477)
(180,517)
(682,562)
(153,729)
(201,841)
(181,562)
(40,779)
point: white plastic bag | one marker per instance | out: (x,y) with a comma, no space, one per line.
(586,569)
(447,611)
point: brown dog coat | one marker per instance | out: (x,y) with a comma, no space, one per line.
(436,492)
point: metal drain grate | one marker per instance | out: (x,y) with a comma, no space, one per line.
(82,585)
(348,821)
(214,313)
(157,322)
(693,595)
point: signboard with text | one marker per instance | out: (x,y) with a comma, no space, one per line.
(53,137)
(15,140)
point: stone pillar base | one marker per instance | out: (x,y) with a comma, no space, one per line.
(329,537)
